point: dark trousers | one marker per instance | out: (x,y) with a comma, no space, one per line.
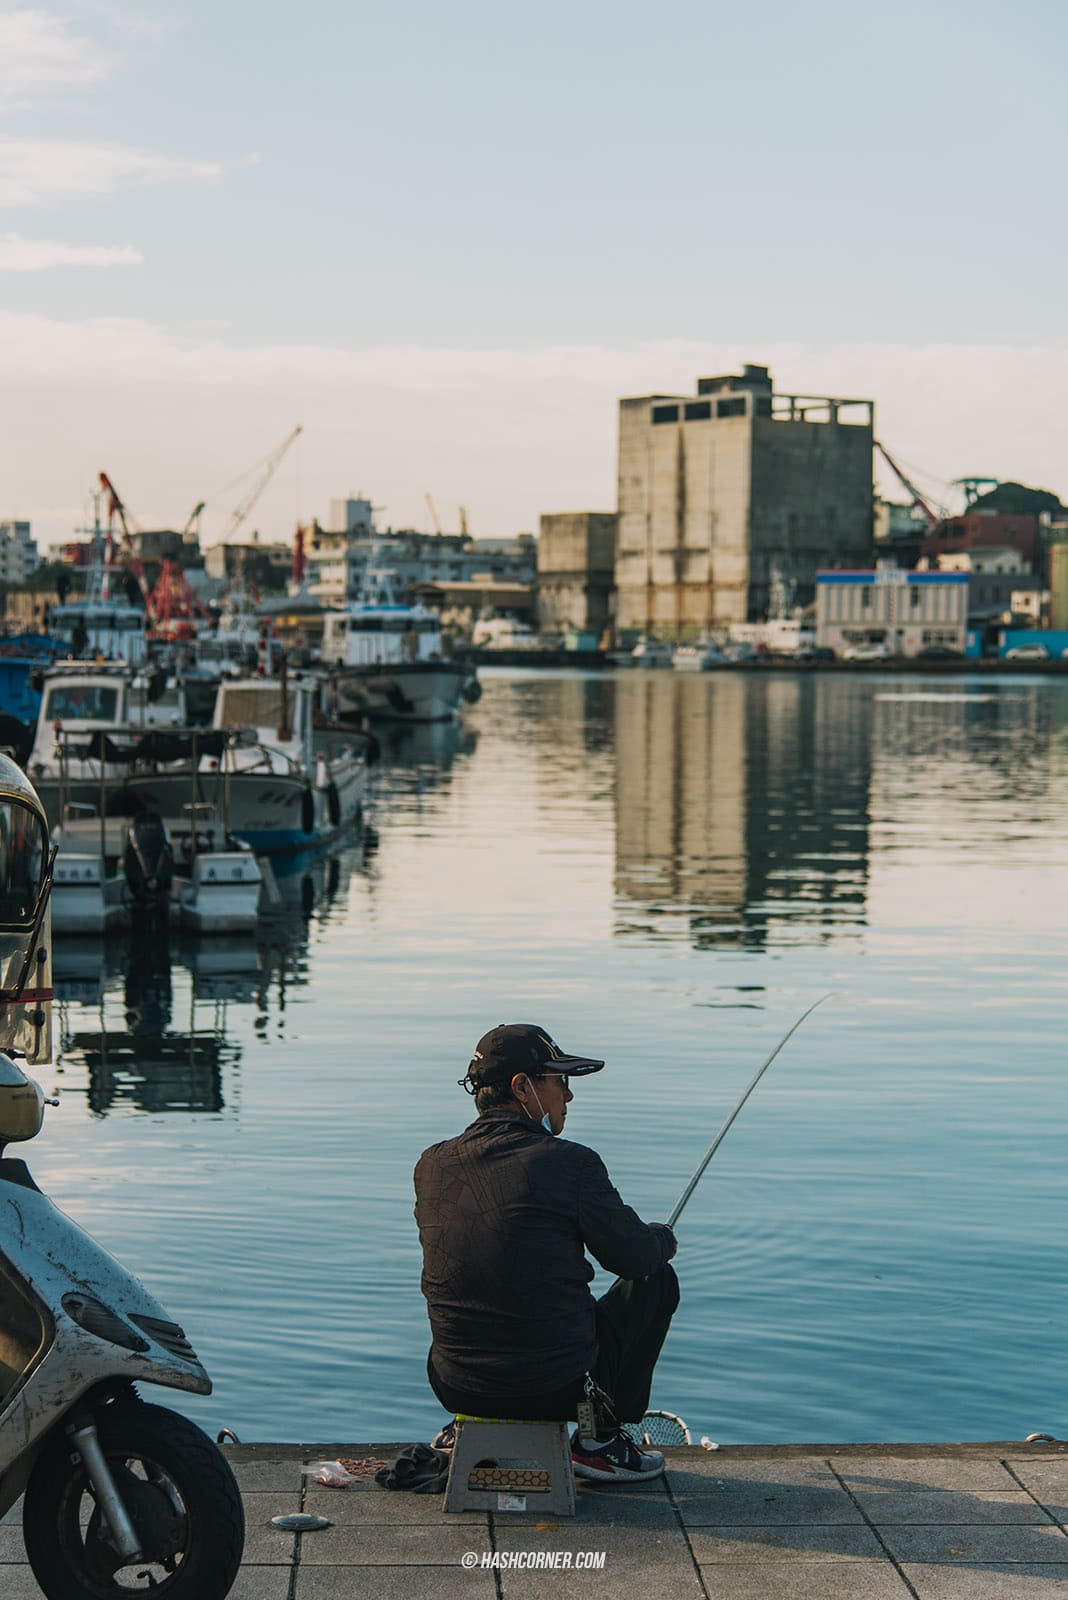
(632,1323)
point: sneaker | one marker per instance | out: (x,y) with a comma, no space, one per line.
(446,1438)
(617,1460)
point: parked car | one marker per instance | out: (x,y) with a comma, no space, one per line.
(865,652)
(1027,652)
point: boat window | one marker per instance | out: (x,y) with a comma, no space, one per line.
(396,625)
(429,625)
(365,625)
(22,861)
(81,702)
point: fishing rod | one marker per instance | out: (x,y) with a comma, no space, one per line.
(721,1135)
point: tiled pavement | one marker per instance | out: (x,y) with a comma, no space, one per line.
(835,1522)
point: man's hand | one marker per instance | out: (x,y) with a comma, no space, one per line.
(662,1227)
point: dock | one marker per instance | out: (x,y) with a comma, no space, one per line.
(745,1522)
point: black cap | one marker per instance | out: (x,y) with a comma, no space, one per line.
(513,1047)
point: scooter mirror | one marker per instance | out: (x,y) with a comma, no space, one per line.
(22,1104)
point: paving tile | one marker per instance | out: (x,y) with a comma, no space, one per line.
(971,1581)
(1048,1482)
(391,1583)
(18,1584)
(264,1545)
(800,1542)
(636,1560)
(941,1472)
(388,1507)
(765,1504)
(992,1542)
(945,1506)
(601,1508)
(714,1470)
(807,1580)
(257,1583)
(276,1476)
(11,1545)
(373,1545)
(12,1515)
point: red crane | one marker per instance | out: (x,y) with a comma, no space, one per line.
(124,548)
(933,519)
(173,604)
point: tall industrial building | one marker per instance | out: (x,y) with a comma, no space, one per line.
(730,502)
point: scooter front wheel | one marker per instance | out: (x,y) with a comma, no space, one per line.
(179,1491)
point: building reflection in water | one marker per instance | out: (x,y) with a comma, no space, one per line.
(149,1051)
(742,806)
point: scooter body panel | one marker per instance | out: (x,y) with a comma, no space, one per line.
(54,1258)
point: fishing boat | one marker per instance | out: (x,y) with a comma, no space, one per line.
(387,660)
(650,652)
(702,656)
(279,792)
(110,870)
(257,770)
(98,722)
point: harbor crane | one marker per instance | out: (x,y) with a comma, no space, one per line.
(974,487)
(432,508)
(933,519)
(124,547)
(268,470)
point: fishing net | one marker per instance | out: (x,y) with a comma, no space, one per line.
(658,1428)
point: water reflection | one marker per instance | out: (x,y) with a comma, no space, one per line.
(742,804)
(159,1039)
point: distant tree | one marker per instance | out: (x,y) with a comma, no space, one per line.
(1017,500)
(47,577)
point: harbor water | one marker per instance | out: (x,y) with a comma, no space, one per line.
(666,870)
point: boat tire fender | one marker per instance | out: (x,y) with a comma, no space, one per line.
(307,811)
(333,804)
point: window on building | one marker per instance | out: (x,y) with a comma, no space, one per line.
(865,597)
(731,408)
(665,413)
(697,411)
(915,596)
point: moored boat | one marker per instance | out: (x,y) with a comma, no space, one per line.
(387,661)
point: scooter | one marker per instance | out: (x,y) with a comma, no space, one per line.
(121,1497)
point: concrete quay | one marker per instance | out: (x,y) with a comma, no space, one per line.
(785,1522)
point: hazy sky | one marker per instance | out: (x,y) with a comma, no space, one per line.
(446,239)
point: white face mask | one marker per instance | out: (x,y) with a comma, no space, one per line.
(546,1124)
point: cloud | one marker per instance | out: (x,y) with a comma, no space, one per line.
(36,171)
(507,433)
(37,255)
(40,54)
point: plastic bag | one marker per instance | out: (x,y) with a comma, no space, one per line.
(331,1474)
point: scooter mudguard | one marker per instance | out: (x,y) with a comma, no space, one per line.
(96,1320)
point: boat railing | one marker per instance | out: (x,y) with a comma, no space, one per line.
(119,753)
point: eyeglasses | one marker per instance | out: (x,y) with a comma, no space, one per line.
(561,1077)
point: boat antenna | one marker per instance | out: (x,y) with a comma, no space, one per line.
(721,1135)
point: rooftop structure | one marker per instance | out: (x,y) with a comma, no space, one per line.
(730,502)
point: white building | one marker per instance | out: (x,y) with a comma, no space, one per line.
(983,559)
(18,553)
(905,612)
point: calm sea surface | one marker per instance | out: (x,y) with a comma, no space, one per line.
(665,870)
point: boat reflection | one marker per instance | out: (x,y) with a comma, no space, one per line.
(415,757)
(145,1020)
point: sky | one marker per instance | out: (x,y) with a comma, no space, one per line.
(447,239)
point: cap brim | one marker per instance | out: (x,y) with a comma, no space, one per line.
(572,1066)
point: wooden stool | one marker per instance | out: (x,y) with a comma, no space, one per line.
(499,1464)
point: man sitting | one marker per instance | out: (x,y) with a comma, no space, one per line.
(506,1212)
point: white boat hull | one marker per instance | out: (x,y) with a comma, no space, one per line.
(417,691)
